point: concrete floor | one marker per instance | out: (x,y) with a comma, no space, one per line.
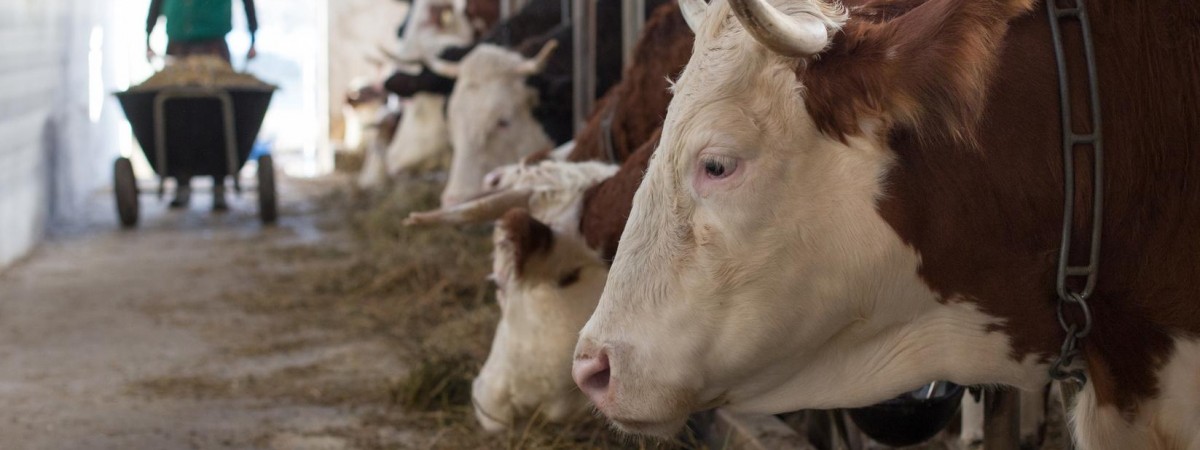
(96,318)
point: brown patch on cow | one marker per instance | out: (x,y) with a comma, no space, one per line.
(606,205)
(537,157)
(987,223)
(643,94)
(483,15)
(528,236)
(926,68)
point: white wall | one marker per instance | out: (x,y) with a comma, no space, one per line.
(57,130)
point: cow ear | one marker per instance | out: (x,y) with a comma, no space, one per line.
(524,236)
(922,65)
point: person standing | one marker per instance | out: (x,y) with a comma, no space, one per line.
(198,27)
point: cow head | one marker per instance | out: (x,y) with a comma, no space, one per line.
(490,115)
(547,284)
(755,270)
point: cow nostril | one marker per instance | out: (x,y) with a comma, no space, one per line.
(598,381)
(593,374)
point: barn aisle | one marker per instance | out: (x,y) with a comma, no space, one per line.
(139,339)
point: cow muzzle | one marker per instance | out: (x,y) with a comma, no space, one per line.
(593,374)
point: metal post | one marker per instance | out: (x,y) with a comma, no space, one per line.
(584,18)
(1002,419)
(633,17)
(509,8)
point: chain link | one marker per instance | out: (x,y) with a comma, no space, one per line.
(1064,367)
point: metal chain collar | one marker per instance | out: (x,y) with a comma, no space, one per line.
(1064,368)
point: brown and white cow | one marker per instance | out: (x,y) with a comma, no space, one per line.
(844,208)
(550,266)
(547,284)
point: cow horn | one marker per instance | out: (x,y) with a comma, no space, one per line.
(693,13)
(486,208)
(790,36)
(538,63)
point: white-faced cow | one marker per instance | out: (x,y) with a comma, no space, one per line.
(474,119)
(490,114)
(425,141)
(548,282)
(842,209)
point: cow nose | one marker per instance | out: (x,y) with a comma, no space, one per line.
(492,180)
(592,372)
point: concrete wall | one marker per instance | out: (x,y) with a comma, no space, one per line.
(57,135)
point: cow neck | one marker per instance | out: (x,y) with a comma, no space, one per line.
(987,220)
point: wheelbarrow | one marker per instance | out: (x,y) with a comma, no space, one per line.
(195,131)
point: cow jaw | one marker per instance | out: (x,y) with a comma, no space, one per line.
(491,121)
(776,286)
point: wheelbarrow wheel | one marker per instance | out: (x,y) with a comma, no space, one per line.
(125,188)
(267,203)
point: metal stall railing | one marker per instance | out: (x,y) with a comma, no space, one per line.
(583,19)
(633,17)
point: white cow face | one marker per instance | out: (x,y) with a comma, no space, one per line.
(548,283)
(754,271)
(490,116)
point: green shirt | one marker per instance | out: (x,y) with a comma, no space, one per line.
(198,20)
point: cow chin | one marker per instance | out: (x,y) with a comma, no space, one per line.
(662,430)
(648,390)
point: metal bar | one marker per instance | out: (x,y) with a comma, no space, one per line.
(160,138)
(584,37)
(1002,419)
(1070,139)
(229,127)
(230,140)
(632,19)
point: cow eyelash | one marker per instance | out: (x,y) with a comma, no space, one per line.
(718,167)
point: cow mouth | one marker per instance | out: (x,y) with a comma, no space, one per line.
(661,429)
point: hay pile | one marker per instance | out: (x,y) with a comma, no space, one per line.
(201,71)
(425,290)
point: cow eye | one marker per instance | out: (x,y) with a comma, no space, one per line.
(718,166)
(502,123)
(569,278)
